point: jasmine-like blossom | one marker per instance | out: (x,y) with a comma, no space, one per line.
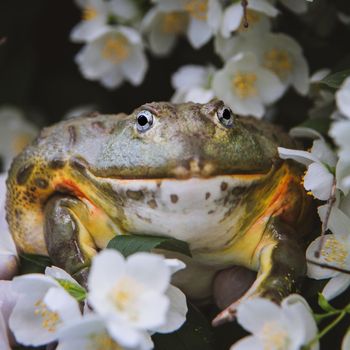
(42,308)
(86,334)
(204,17)
(288,327)
(279,53)
(340,131)
(163,28)
(135,298)
(246,86)
(8,252)
(320,162)
(233,15)
(114,56)
(193,83)
(96,15)
(335,250)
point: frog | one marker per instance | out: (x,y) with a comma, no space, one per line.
(194,172)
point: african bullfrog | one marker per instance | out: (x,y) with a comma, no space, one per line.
(195,172)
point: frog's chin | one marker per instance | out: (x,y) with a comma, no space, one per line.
(202,211)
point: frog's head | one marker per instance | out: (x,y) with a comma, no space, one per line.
(164,140)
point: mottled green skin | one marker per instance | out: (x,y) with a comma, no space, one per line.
(67,173)
(181,133)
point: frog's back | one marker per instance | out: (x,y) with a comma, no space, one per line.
(43,169)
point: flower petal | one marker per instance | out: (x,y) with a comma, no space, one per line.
(254,313)
(176,315)
(319,181)
(248,343)
(231,19)
(107,267)
(336,286)
(198,33)
(314,271)
(343,98)
(149,269)
(302,157)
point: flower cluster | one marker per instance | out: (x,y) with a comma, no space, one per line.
(259,65)
(123,308)
(327,179)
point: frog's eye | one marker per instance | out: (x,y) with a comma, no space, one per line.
(144,121)
(225,116)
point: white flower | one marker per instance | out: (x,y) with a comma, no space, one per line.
(86,334)
(233,15)
(245,86)
(15,133)
(8,252)
(115,55)
(192,83)
(340,132)
(343,98)
(287,327)
(134,297)
(346,341)
(163,28)
(96,14)
(204,17)
(279,53)
(321,162)
(42,308)
(335,250)
(8,298)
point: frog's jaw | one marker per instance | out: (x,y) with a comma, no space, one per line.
(203,212)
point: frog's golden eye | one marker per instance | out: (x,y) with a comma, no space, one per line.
(225,116)
(144,121)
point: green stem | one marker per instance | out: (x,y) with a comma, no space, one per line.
(320,317)
(325,330)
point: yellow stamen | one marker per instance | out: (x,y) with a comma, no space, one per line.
(197,9)
(243,84)
(274,337)
(334,251)
(89,13)
(279,61)
(116,49)
(50,319)
(174,22)
(103,342)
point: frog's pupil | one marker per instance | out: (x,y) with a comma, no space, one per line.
(226,114)
(142,120)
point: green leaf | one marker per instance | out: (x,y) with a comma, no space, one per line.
(324,304)
(75,290)
(321,125)
(130,244)
(33,263)
(196,333)
(336,79)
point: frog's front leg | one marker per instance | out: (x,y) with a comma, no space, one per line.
(68,240)
(282,265)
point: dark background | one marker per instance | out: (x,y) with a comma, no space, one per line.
(38,73)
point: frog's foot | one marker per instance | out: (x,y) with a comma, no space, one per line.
(68,241)
(282,265)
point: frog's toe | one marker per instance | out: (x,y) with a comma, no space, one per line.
(226,315)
